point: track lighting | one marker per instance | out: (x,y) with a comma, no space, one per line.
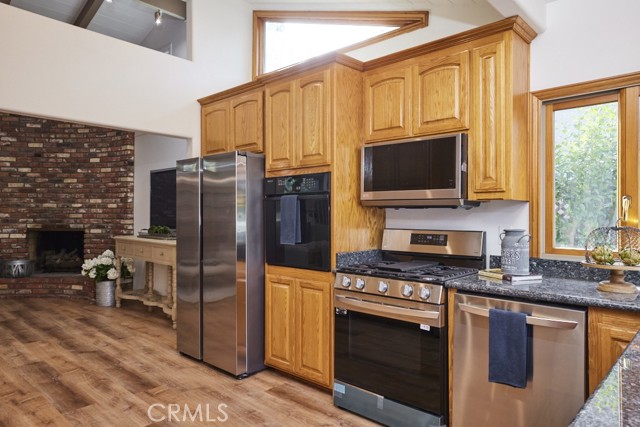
(158,16)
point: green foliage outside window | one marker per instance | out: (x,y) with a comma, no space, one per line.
(586,172)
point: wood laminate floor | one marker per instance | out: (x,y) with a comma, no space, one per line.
(69,363)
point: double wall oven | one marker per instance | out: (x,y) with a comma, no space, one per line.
(391,326)
(308,196)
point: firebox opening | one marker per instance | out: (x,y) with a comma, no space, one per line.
(57,251)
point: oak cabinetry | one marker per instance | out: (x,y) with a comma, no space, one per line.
(498,138)
(441,93)
(298,323)
(387,103)
(610,332)
(215,128)
(298,122)
(422,96)
(233,124)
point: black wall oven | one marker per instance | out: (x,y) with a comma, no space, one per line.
(297,221)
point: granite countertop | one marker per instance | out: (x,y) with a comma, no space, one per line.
(550,289)
(616,401)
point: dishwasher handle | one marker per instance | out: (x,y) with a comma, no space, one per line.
(531,320)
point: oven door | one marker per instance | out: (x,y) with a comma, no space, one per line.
(314,250)
(401,360)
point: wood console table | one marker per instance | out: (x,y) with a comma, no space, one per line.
(152,251)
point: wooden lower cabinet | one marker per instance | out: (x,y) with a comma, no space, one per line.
(298,323)
(610,331)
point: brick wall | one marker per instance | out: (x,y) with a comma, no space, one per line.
(65,176)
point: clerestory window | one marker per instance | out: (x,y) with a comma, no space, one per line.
(283,38)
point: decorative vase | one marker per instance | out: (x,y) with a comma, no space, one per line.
(105,293)
(515,252)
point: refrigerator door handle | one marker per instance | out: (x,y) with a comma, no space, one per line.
(531,320)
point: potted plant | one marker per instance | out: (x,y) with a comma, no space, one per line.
(102,269)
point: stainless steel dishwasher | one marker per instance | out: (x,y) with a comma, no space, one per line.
(555,389)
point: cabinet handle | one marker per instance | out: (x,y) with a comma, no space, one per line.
(531,320)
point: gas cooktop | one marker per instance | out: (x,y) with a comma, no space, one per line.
(417,271)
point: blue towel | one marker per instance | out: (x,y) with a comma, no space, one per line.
(290,227)
(508,348)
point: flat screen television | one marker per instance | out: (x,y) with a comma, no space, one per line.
(163,198)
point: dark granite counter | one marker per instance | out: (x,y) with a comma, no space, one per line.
(616,401)
(550,289)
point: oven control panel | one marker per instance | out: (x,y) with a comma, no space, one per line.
(309,183)
(415,291)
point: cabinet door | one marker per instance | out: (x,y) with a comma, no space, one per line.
(441,94)
(279,129)
(387,104)
(313,121)
(215,128)
(610,332)
(246,122)
(488,145)
(279,322)
(313,338)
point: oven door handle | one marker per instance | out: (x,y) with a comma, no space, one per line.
(531,320)
(426,317)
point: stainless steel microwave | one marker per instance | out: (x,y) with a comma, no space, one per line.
(428,172)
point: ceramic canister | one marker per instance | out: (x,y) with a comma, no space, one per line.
(515,252)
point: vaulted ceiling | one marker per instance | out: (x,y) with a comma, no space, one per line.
(129,20)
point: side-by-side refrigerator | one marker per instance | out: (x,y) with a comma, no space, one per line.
(220,261)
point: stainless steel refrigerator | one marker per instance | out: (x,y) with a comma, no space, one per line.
(220,261)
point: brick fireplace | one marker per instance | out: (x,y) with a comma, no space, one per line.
(66,189)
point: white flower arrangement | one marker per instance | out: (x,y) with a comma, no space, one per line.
(101,268)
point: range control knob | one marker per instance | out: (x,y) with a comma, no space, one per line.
(382,286)
(425,293)
(346,281)
(359,283)
(407,290)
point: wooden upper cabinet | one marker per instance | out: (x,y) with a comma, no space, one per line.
(499,132)
(234,123)
(387,103)
(246,122)
(298,122)
(279,125)
(441,94)
(215,128)
(489,143)
(313,106)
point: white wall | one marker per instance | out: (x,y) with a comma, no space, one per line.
(585,40)
(56,70)
(492,217)
(152,152)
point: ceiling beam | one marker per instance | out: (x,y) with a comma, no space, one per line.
(175,8)
(87,13)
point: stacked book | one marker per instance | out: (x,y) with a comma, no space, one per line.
(496,273)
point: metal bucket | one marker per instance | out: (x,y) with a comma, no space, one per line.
(105,293)
(17,268)
(514,257)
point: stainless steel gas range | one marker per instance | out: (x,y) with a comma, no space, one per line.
(391,326)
